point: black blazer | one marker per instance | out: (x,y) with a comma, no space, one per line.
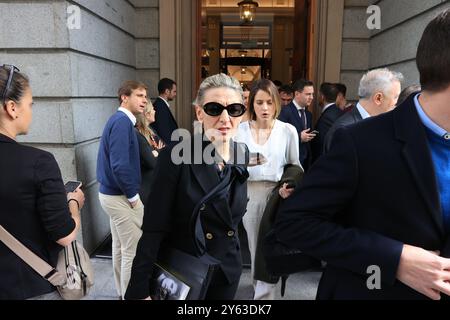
(347,119)
(290,114)
(168,210)
(148,164)
(325,122)
(33,208)
(164,123)
(373,192)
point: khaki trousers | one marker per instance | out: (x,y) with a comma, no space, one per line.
(126,231)
(258,192)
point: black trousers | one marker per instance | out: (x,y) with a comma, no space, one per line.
(220,288)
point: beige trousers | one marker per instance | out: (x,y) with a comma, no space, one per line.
(126,231)
(258,192)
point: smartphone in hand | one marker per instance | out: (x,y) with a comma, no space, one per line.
(71,186)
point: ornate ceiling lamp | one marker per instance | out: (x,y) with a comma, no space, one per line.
(248,10)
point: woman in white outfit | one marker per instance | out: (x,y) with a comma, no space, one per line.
(277,144)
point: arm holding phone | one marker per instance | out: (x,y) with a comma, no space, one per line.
(75,201)
(307,135)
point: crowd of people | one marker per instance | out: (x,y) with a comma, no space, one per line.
(374,181)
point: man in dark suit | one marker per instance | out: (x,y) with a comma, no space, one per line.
(330,113)
(378,90)
(297,114)
(377,206)
(165,123)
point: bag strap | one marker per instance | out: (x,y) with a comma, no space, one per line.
(219,191)
(34,261)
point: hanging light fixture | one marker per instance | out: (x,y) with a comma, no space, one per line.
(248,10)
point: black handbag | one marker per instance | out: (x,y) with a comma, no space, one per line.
(182,276)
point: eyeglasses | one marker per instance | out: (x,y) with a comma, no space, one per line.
(12,68)
(215,109)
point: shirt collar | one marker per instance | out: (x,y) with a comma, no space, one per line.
(167,102)
(427,122)
(326,107)
(363,112)
(129,115)
(297,106)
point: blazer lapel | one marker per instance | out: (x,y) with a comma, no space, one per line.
(207,177)
(416,152)
(296,117)
(356,115)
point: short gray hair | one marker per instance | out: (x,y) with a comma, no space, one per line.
(217,81)
(378,80)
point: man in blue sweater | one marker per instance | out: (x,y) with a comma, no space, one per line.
(119,175)
(376,207)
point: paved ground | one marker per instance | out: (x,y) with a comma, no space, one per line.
(302,286)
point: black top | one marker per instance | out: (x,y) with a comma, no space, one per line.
(325,122)
(347,119)
(165,124)
(33,208)
(175,192)
(148,164)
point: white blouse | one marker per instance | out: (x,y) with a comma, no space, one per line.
(280,149)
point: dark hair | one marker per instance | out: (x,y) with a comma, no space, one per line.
(286,88)
(341,88)
(407,92)
(266,86)
(245,87)
(433,54)
(127,88)
(329,91)
(165,84)
(277,83)
(17,87)
(300,85)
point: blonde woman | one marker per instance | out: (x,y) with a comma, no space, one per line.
(276,144)
(149,147)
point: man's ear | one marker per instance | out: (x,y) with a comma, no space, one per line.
(378,98)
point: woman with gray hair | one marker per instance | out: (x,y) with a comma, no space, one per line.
(179,186)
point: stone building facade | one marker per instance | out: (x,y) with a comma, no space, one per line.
(75,72)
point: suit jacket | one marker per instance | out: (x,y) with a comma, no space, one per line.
(168,210)
(347,119)
(148,164)
(373,192)
(164,123)
(33,208)
(290,114)
(323,125)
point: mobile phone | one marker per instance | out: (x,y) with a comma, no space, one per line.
(71,186)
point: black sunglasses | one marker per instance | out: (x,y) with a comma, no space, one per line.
(12,68)
(215,109)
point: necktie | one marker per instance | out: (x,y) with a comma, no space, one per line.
(305,124)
